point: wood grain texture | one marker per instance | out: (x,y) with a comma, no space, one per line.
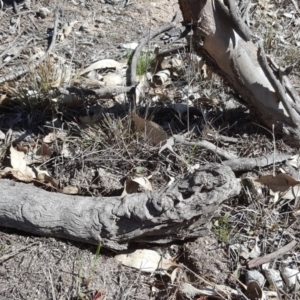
(177,212)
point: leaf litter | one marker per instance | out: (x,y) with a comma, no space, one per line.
(98,159)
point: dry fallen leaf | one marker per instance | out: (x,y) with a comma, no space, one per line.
(254,291)
(25,175)
(295,161)
(113,79)
(161,77)
(17,159)
(290,194)
(44,177)
(71,190)
(132,185)
(280,183)
(49,138)
(145,260)
(104,64)
(289,276)
(44,151)
(154,132)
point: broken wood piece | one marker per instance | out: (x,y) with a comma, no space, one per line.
(14,253)
(220,36)
(144,42)
(247,164)
(267,258)
(107,91)
(206,145)
(177,212)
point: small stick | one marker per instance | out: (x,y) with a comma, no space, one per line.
(234,18)
(267,258)
(206,145)
(277,86)
(11,255)
(142,44)
(113,90)
(138,50)
(15,6)
(247,164)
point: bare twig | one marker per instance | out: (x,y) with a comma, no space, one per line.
(27,69)
(181,49)
(234,18)
(15,6)
(277,86)
(11,255)
(206,145)
(16,55)
(99,92)
(247,164)
(267,258)
(144,42)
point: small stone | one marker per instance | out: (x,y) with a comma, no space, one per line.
(101,34)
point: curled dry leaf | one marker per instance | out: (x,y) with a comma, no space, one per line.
(132,185)
(174,275)
(19,168)
(2,98)
(17,159)
(44,177)
(25,175)
(70,190)
(44,151)
(295,161)
(161,77)
(154,132)
(145,260)
(49,138)
(113,79)
(173,63)
(280,183)
(274,278)
(289,276)
(206,101)
(254,291)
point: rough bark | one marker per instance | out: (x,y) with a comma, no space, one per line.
(225,40)
(177,212)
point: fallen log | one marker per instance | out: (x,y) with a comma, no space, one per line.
(220,35)
(177,212)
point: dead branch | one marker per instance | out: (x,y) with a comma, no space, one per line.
(178,212)
(16,252)
(144,42)
(206,145)
(247,164)
(220,35)
(267,258)
(108,91)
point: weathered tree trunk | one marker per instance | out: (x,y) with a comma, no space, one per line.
(221,35)
(178,212)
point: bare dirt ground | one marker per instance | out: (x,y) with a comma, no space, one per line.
(46,268)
